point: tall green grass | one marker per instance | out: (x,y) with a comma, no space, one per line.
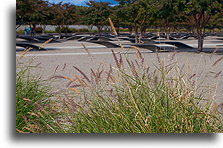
(128,97)
(135,99)
(33,110)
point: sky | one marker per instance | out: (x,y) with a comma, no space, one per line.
(81,2)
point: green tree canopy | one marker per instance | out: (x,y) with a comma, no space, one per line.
(97,14)
(199,14)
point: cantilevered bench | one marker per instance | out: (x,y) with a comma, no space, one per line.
(152,47)
(155,47)
(100,38)
(105,43)
(46,38)
(28,45)
(28,38)
(177,44)
(84,38)
(37,38)
(186,37)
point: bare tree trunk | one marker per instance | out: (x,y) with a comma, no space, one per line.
(59,30)
(136,34)
(143,31)
(118,29)
(66,26)
(200,43)
(201,20)
(43,28)
(90,27)
(167,29)
(99,30)
(168,33)
(130,29)
(200,39)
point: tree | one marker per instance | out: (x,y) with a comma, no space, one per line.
(136,14)
(169,15)
(97,14)
(23,10)
(217,21)
(128,12)
(63,15)
(70,15)
(115,17)
(33,12)
(29,10)
(148,13)
(200,13)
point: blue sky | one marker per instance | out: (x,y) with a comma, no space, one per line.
(80,2)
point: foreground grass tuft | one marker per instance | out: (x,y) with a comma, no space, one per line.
(129,97)
(33,113)
(139,100)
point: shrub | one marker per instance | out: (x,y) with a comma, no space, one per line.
(39,29)
(20,31)
(83,30)
(65,30)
